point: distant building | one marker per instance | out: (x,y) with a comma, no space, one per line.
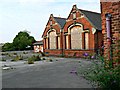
(75,35)
(38,46)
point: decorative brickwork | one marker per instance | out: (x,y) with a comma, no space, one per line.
(79,33)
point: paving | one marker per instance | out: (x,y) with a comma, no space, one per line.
(43,74)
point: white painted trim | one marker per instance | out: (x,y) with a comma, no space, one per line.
(93,30)
(77,24)
(50,31)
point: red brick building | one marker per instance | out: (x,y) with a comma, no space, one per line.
(38,46)
(111,8)
(79,33)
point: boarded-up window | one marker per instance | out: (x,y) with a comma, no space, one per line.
(52,40)
(86,41)
(76,37)
(66,42)
(58,42)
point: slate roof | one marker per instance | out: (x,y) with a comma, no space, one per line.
(94,18)
(61,21)
(38,43)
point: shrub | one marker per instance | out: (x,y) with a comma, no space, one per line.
(36,58)
(30,61)
(33,58)
(103,77)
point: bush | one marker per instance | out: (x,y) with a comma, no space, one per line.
(109,78)
(33,58)
(103,77)
(30,61)
(36,58)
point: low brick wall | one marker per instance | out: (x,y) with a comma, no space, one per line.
(68,52)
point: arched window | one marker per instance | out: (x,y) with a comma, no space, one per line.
(76,37)
(52,39)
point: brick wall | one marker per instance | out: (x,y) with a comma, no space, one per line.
(94,40)
(114,9)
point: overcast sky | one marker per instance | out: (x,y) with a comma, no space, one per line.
(32,15)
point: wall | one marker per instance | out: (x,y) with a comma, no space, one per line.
(113,8)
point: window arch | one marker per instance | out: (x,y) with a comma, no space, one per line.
(52,39)
(76,37)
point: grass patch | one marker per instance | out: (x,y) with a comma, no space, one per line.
(17,58)
(34,58)
(30,61)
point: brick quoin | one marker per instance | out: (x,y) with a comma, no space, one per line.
(112,7)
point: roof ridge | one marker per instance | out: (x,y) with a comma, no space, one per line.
(60,17)
(90,11)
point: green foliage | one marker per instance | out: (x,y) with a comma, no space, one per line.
(20,42)
(36,58)
(108,78)
(61,55)
(33,58)
(43,54)
(17,58)
(8,47)
(30,61)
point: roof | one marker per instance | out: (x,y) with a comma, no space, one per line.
(38,43)
(93,17)
(61,21)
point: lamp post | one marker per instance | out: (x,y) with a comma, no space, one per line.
(108,29)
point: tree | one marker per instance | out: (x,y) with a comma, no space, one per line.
(8,47)
(22,41)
